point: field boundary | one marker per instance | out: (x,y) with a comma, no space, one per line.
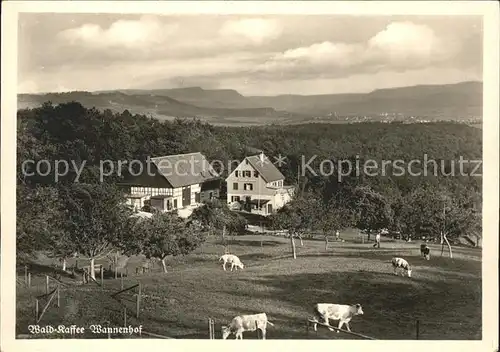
(156,335)
(312,321)
(138,308)
(51,295)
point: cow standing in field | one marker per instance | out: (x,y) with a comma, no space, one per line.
(425,251)
(242,323)
(341,312)
(400,263)
(233,260)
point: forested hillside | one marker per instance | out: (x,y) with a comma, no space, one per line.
(412,203)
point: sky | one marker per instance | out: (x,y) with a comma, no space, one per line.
(255,55)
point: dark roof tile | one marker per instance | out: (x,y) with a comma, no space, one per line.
(185,169)
(269,172)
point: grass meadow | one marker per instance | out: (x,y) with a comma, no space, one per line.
(443,294)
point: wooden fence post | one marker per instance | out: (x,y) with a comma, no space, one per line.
(121,274)
(58,296)
(29,279)
(418,329)
(26,274)
(36,311)
(102,277)
(46,284)
(125,316)
(209,328)
(138,302)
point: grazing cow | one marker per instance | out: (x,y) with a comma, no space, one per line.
(242,323)
(425,251)
(400,263)
(233,260)
(341,312)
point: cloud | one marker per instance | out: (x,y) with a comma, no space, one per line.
(153,37)
(28,86)
(325,53)
(406,42)
(257,30)
(400,46)
(133,74)
(130,34)
(282,53)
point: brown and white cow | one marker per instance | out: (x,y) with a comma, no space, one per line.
(425,251)
(341,312)
(242,323)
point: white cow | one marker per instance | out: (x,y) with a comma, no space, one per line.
(233,260)
(400,263)
(341,312)
(242,323)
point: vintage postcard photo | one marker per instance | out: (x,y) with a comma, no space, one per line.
(184,171)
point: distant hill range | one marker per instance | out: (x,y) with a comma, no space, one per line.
(457,102)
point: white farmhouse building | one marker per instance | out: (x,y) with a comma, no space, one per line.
(175,182)
(257,186)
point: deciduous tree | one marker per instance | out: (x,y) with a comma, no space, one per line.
(95,219)
(37,218)
(167,234)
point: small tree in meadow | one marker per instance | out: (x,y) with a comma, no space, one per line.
(441,212)
(372,211)
(296,218)
(167,234)
(331,217)
(215,216)
(95,219)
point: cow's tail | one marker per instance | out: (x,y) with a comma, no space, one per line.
(220,258)
(270,323)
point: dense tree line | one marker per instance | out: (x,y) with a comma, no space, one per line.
(86,137)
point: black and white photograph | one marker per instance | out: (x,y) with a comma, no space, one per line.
(220,171)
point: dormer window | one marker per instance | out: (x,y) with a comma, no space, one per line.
(255,174)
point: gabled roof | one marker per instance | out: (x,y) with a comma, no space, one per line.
(266,169)
(185,169)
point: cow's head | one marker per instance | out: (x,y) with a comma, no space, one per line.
(409,272)
(241,266)
(226,331)
(359,310)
